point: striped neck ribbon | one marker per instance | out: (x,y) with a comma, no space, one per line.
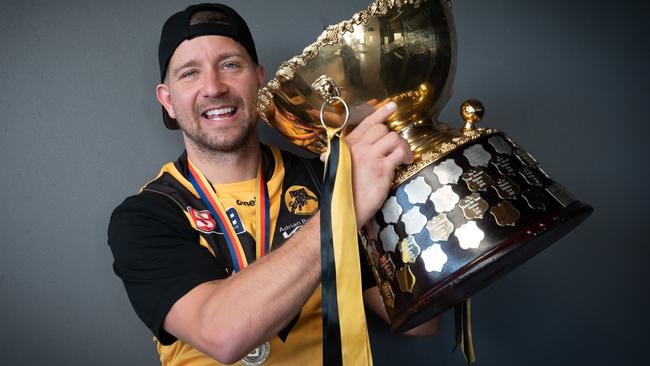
(210,199)
(345,333)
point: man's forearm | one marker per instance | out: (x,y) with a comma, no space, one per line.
(248,308)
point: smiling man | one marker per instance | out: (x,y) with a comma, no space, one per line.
(209,251)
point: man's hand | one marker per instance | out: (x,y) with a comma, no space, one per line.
(376,152)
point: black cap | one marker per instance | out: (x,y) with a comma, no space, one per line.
(178,28)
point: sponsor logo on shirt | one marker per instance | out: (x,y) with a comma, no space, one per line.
(203,220)
(300,200)
(291,229)
(250,203)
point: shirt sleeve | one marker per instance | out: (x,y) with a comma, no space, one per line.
(158,257)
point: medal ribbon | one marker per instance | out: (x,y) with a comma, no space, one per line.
(345,333)
(209,197)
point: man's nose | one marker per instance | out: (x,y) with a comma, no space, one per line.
(214,85)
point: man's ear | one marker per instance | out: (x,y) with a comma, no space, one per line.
(164,97)
(260,76)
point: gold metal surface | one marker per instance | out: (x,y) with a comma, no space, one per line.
(387,266)
(387,294)
(471,111)
(410,250)
(326,88)
(405,279)
(400,50)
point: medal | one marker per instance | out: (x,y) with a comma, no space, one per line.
(257,356)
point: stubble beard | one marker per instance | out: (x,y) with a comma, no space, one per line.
(230,140)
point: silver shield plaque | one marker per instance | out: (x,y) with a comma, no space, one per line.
(391,210)
(531,176)
(477,155)
(414,221)
(417,190)
(506,188)
(525,158)
(504,165)
(535,199)
(440,227)
(473,206)
(505,214)
(444,199)
(434,258)
(469,235)
(389,238)
(448,172)
(500,145)
(477,179)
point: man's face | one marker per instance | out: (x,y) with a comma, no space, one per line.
(211,90)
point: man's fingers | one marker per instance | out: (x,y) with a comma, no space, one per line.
(377,117)
(402,155)
(395,148)
(374,133)
(376,152)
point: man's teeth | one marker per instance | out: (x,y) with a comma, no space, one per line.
(219,113)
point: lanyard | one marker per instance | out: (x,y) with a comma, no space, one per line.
(210,199)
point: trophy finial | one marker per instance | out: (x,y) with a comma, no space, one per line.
(471,111)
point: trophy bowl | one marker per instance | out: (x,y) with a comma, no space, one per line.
(471,207)
(398,50)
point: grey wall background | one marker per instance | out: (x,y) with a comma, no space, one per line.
(81,130)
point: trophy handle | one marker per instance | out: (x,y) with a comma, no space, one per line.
(330,101)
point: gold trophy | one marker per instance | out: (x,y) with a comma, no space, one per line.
(471,207)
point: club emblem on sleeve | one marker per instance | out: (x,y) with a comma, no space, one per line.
(203,220)
(300,200)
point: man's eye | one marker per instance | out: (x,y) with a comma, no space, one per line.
(188,73)
(231,66)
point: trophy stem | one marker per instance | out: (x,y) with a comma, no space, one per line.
(424,136)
